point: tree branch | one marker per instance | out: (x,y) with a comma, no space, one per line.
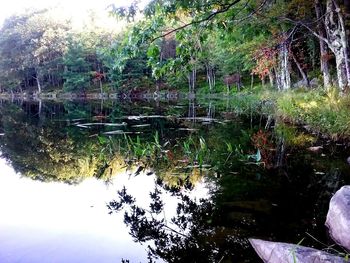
(253,12)
(208,18)
(312,31)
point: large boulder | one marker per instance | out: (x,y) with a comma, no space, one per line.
(338,217)
(338,223)
(275,252)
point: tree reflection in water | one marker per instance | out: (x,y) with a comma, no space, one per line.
(267,183)
(191,234)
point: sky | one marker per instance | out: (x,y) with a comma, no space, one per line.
(77,7)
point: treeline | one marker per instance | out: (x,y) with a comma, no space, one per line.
(282,44)
(40,52)
(285,43)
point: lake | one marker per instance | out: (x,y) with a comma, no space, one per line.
(182,180)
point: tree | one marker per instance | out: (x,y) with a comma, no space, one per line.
(324,56)
(31,48)
(334,36)
(189,23)
(34,48)
(337,41)
(77,68)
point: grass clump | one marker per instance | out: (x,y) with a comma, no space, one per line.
(324,112)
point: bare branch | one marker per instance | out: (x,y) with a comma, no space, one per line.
(311,30)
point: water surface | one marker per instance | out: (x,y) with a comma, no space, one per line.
(176,181)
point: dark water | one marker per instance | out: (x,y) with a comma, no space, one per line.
(200,177)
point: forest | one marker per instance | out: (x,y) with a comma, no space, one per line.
(202,44)
(246,101)
(292,53)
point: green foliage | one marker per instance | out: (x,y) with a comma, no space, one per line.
(40,51)
(77,68)
(209,41)
(323,112)
(31,48)
(45,152)
(175,43)
(292,137)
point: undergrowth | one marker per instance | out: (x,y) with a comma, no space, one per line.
(325,112)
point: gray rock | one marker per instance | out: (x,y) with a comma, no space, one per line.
(274,252)
(314,83)
(299,84)
(338,217)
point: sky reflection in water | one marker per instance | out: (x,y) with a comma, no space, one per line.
(57,222)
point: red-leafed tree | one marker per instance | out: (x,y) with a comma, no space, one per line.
(266,61)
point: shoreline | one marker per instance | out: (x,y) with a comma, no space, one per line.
(319,112)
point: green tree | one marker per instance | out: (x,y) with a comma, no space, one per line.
(77,69)
(31,48)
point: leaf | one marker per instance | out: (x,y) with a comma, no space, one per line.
(102,139)
(202,143)
(153,51)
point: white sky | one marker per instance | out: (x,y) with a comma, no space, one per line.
(77,8)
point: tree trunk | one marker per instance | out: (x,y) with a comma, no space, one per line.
(214,78)
(189,82)
(347,19)
(341,70)
(283,73)
(192,76)
(302,72)
(38,84)
(271,77)
(211,110)
(40,108)
(323,47)
(210,76)
(157,86)
(263,81)
(335,27)
(192,109)
(100,79)
(194,79)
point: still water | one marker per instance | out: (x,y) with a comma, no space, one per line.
(162,181)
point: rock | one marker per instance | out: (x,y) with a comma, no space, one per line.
(300,84)
(338,217)
(315,148)
(338,223)
(314,83)
(274,252)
